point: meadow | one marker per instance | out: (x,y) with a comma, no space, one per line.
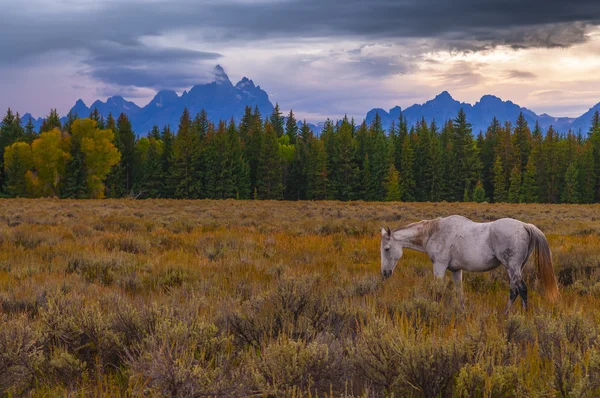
(276,299)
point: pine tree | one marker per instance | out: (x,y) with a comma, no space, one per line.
(570,193)
(71,117)
(317,179)
(499,181)
(299,169)
(378,157)
(551,167)
(407,179)
(277,121)
(291,127)
(347,168)
(521,142)
(150,183)
(127,149)
(514,191)
(10,132)
(488,156)
(167,183)
(466,152)
(587,177)
(269,170)
(29,134)
(251,131)
(202,174)
(154,133)
(74,185)
(393,193)
(594,138)
(185,151)
(529,190)
(240,169)
(479,193)
(52,121)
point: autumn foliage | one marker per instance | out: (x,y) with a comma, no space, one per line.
(268,298)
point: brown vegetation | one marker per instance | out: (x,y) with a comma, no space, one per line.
(244,298)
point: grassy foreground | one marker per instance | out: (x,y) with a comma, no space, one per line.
(245,298)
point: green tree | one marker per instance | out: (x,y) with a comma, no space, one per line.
(166,160)
(29,133)
(127,149)
(479,193)
(587,173)
(521,142)
(529,190)
(269,171)
(499,181)
(277,121)
(514,190)
(317,179)
(52,121)
(466,152)
(407,179)
(185,151)
(392,187)
(75,184)
(18,159)
(570,192)
(291,127)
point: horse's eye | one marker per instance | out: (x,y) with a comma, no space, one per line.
(387,249)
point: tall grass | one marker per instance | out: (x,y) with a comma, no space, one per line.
(225,298)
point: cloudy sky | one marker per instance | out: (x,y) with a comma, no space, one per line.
(323,58)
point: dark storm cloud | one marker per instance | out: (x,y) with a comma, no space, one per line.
(139,65)
(459,24)
(107,37)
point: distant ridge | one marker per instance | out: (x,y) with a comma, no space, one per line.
(220,98)
(223,100)
(443,107)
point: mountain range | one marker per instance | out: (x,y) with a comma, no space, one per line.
(220,99)
(443,107)
(223,100)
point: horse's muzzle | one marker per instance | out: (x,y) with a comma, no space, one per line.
(386,273)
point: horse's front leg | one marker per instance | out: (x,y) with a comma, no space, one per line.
(457,279)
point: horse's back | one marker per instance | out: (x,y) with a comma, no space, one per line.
(468,244)
(510,240)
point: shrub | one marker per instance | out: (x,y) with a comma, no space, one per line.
(21,357)
(430,367)
(182,358)
(287,367)
(127,242)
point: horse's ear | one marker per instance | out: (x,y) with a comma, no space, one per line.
(389,232)
(383,232)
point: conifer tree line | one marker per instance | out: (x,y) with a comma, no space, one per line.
(274,157)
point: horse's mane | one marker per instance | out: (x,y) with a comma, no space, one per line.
(427,228)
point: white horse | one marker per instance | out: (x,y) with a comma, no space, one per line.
(456,243)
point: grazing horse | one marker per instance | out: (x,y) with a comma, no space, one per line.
(456,243)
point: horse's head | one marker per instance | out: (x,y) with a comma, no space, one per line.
(391,252)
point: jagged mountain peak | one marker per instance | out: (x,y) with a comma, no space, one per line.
(221,77)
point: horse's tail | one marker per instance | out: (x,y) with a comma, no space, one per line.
(545,269)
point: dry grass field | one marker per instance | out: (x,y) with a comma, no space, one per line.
(276,299)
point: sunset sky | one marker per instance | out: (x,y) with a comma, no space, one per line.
(322,58)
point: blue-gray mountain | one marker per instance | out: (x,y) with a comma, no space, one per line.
(443,107)
(222,100)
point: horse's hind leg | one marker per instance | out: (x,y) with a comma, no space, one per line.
(517,286)
(523,289)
